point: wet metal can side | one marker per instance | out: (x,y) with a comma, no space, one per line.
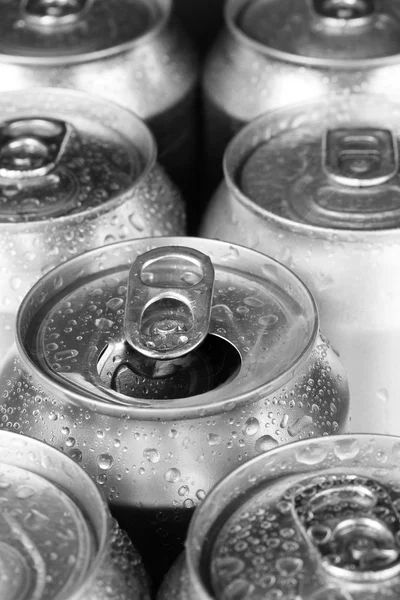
(313,520)
(128,51)
(317,187)
(76,173)
(202,19)
(274,53)
(57,537)
(160,365)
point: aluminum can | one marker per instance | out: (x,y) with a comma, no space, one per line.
(160,365)
(313,520)
(317,187)
(202,19)
(57,536)
(273,53)
(128,51)
(76,172)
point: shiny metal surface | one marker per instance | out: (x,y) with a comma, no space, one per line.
(76,173)
(340,235)
(275,53)
(57,538)
(156,435)
(128,51)
(314,520)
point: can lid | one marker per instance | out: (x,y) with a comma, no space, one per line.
(314,520)
(47,544)
(60,154)
(55,29)
(329,30)
(330,164)
(196,322)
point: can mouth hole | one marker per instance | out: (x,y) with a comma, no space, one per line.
(130,374)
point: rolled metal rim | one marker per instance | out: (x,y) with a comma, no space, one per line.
(176,409)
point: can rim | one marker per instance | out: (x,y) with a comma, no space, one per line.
(102,540)
(165,8)
(196,530)
(231,11)
(306,229)
(176,408)
(149,154)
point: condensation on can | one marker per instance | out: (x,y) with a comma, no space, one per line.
(76,173)
(313,520)
(317,187)
(128,51)
(57,537)
(156,434)
(277,53)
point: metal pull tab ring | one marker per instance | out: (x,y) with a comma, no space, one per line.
(344,13)
(53,13)
(361,157)
(169,300)
(31,148)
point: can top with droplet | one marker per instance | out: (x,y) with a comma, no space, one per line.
(64,153)
(331,165)
(54,523)
(312,520)
(167,327)
(328,33)
(61,31)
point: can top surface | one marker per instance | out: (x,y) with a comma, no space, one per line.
(39,31)
(312,520)
(79,328)
(326,31)
(64,152)
(327,165)
(48,543)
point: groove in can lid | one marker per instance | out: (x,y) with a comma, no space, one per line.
(72,28)
(324,29)
(333,164)
(262,322)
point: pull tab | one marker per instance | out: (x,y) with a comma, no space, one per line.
(31,148)
(169,299)
(360,157)
(53,13)
(354,528)
(344,13)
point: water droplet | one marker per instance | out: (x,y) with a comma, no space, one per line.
(229,566)
(200,494)
(16,283)
(239,589)
(312,454)
(115,303)
(76,455)
(172,475)
(104,324)
(289,565)
(65,354)
(172,433)
(25,492)
(265,443)
(101,479)
(251,426)
(299,426)
(214,439)
(254,302)
(346,449)
(319,533)
(152,455)
(183,491)
(268,320)
(105,461)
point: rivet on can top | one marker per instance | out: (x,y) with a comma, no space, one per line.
(169,299)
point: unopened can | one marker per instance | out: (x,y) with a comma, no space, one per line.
(129,51)
(275,53)
(313,520)
(57,537)
(76,172)
(161,364)
(317,187)
(202,19)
